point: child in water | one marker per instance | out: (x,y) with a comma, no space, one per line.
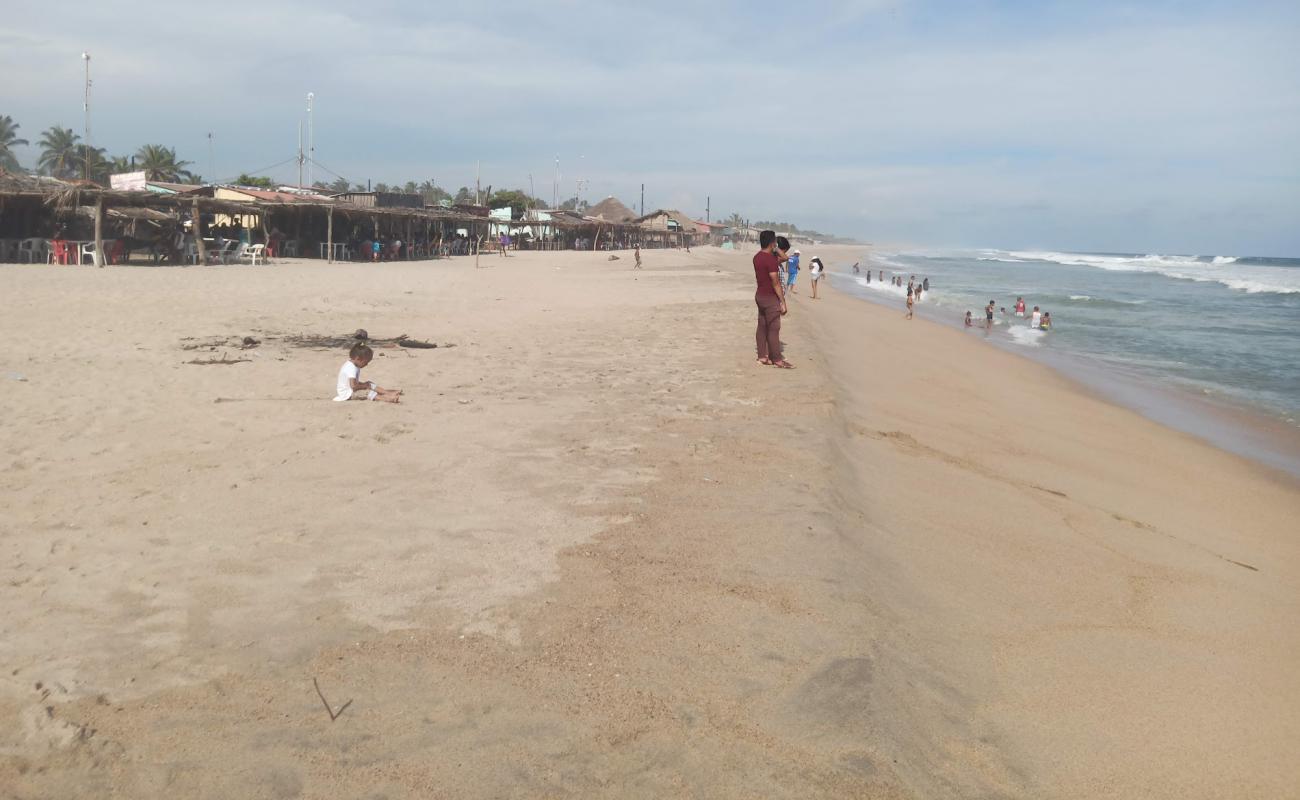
(969,322)
(909,303)
(1046,321)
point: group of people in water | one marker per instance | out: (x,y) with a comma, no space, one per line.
(1038,320)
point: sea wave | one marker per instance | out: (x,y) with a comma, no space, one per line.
(1026,336)
(1229,271)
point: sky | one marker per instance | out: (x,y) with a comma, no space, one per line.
(1152,127)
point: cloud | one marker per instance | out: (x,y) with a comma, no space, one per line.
(1097,126)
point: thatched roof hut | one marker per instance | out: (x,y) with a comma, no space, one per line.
(611,210)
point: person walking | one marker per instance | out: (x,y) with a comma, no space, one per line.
(769,296)
(637,251)
(815,270)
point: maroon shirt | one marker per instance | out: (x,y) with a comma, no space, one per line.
(764,265)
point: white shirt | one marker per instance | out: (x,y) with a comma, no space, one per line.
(346,374)
(1035,319)
(815,267)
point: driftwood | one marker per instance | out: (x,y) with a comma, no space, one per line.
(332,342)
(328,710)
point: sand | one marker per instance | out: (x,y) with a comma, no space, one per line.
(597,552)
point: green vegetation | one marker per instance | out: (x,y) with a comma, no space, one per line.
(255,181)
(9,140)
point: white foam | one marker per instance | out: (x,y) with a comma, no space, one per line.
(1080,297)
(1222,269)
(1026,336)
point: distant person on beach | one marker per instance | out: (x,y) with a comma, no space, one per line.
(376,247)
(1036,319)
(881,276)
(988,315)
(636,250)
(1046,323)
(1020,306)
(815,270)
(925,284)
(868,275)
(351,387)
(505,244)
(909,302)
(769,296)
(918,293)
(855,271)
(792,267)
(969,322)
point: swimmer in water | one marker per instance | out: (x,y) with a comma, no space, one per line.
(1036,319)
(1047,321)
(969,322)
(1020,306)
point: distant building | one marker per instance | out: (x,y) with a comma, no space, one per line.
(668,228)
(381,199)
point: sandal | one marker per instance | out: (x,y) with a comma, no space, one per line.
(767,362)
(783,364)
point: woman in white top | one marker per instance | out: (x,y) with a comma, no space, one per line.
(815,270)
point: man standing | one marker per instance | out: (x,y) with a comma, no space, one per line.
(769,296)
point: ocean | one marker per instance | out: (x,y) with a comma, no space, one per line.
(1179,338)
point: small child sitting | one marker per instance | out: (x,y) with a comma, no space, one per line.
(350,385)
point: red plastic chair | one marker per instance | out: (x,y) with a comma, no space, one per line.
(60,251)
(116,252)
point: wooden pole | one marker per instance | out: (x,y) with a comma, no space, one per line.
(329,235)
(99,232)
(197,229)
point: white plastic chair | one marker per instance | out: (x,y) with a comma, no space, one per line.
(31,251)
(87,251)
(254,253)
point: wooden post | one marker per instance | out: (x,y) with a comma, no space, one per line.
(329,235)
(99,232)
(197,229)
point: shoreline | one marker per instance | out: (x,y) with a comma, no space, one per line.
(1259,434)
(597,552)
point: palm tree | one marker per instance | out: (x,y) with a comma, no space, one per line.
(159,163)
(92,163)
(120,164)
(9,140)
(59,156)
(340,186)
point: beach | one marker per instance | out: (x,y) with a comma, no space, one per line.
(598,552)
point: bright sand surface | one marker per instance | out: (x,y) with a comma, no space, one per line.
(598,552)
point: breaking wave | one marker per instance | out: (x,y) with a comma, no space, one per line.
(1252,275)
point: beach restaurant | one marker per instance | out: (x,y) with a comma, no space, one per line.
(47,220)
